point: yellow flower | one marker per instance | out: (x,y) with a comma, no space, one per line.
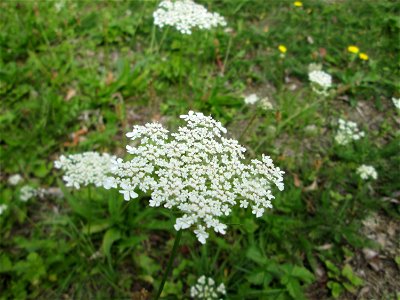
(282,48)
(363,56)
(298,3)
(353,49)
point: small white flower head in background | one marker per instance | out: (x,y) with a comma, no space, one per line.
(321,81)
(367,172)
(251,99)
(205,288)
(84,168)
(14,179)
(185,15)
(266,104)
(27,192)
(396,102)
(347,132)
(3,208)
(197,171)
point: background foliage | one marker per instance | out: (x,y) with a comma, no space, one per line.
(75,76)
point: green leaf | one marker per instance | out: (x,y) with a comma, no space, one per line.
(255,255)
(96,227)
(109,238)
(303,274)
(5,263)
(335,288)
(347,272)
(294,289)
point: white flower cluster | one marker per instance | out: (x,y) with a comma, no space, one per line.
(321,80)
(347,132)
(27,192)
(85,168)
(197,171)
(251,99)
(366,172)
(185,15)
(205,288)
(396,102)
(14,179)
(3,208)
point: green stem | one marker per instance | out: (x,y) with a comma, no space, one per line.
(248,125)
(169,266)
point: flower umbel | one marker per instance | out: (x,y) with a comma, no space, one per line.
(84,168)
(3,208)
(396,102)
(367,172)
(14,179)
(321,81)
(185,15)
(348,131)
(251,99)
(205,288)
(27,192)
(197,171)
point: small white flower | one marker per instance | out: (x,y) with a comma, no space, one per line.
(367,172)
(27,192)
(347,132)
(14,179)
(195,170)
(86,168)
(396,102)
(185,15)
(3,208)
(321,81)
(205,289)
(251,99)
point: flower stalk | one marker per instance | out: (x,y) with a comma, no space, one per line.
(170,262)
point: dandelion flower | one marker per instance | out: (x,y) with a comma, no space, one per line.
(363,56)
(186,15)
(298,3)
(396,102)
(367,172)
(353,49)
(14,179)
(206,289)
(195,170)
(282,49)
(85,168)
(347,132)
(3,208)
(27,192)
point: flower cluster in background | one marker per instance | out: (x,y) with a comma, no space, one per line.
(321,81)
(14,179)
(3,208)
(197,171)
(347,132)
(27,192)
(251,99)
(396,102)
(367,172)
(185,15)
(84,168)
(205,288)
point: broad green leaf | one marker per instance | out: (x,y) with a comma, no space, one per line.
(109,238)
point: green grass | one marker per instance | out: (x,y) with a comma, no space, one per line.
(104,67)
